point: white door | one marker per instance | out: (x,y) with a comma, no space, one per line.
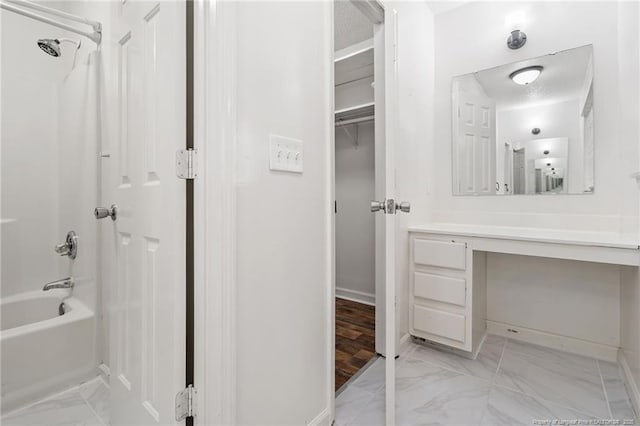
(476,144)
(380,186)
(147,319)
(519,180)
(385,42)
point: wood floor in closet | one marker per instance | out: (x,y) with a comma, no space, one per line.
(355,338)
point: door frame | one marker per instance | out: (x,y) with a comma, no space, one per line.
(214,213)
(385,300)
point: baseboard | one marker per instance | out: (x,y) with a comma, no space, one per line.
(404,344)
(630,382)
(356,296)
(554,341)
(322,419)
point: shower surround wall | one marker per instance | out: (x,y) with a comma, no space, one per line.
(49,160)
(49,165)
(30,184)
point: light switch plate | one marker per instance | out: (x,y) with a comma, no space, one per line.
(285,154)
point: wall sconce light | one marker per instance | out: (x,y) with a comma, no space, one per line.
(516,39)
(514,23)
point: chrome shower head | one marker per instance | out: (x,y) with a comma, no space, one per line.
(50,46)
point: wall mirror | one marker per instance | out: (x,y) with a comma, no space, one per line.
(525,127)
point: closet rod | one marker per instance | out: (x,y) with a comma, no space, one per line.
(355,120)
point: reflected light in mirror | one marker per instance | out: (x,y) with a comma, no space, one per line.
(526,75)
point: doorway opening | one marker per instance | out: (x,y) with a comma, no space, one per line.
(359,129)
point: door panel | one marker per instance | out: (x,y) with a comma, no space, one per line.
(147,342)
(476,145)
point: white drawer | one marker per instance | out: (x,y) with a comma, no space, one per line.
(444,254)
(439,323)
(439,288)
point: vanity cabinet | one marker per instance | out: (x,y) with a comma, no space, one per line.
(448,281)
(447,290)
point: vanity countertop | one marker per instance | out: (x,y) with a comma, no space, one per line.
(557,236)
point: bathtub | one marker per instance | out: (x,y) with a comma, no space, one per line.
(41,351)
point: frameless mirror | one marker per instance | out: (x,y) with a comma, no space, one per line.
(525,127)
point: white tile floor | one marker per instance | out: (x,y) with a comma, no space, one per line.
(510,383)
(86,404)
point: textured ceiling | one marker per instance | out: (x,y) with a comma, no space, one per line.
(350,25)
(561,80)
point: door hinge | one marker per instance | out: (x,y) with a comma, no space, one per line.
(186,403)
(186,163)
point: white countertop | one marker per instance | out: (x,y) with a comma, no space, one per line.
(557,236)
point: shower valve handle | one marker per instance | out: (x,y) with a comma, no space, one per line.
(102,212)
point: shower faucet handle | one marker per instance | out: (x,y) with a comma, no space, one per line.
(69,247)
(102,212)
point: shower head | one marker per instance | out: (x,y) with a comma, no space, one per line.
(51,46)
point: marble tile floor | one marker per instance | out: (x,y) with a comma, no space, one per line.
(83,405)
(509,383)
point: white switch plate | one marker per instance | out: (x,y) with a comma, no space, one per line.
(285,154)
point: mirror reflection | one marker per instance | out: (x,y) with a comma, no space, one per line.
(525,127)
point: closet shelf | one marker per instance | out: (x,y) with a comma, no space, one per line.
(354,63)
(355,114)
(353,50)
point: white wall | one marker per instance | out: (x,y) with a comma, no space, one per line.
(283,279)
(629,330)
(609,209)
(630,284)
(355,225)
(569,298)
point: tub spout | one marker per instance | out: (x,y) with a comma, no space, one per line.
(61,283)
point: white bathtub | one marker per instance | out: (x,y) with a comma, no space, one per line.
(43,352)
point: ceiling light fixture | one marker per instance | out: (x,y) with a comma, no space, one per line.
(526,75)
